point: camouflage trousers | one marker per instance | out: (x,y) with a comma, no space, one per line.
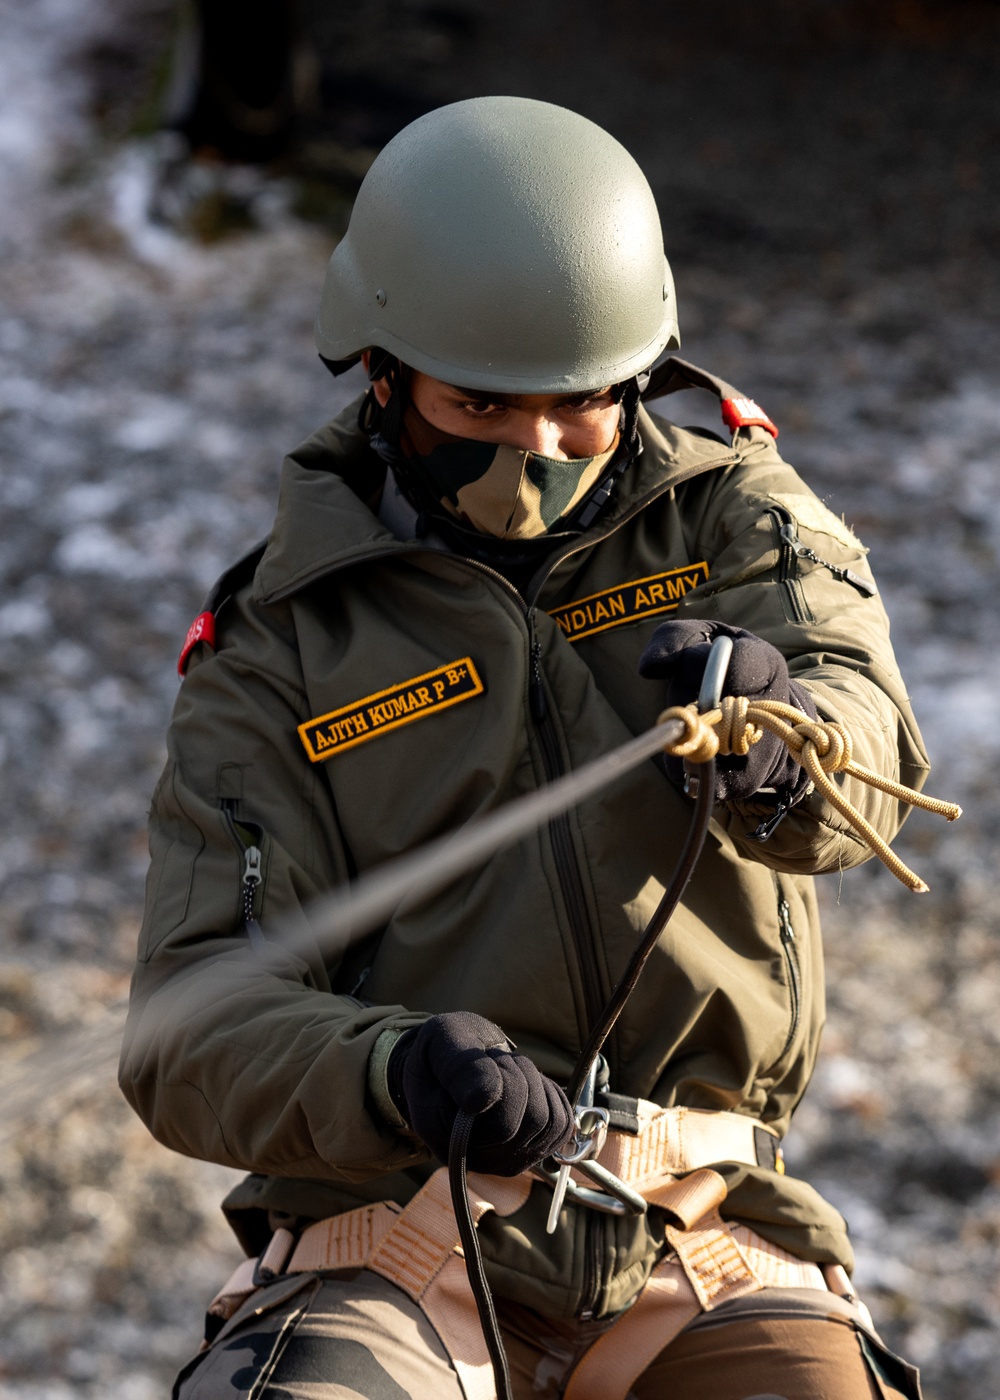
(355,1336)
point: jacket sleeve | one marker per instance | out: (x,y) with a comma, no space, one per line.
(234,1051)
(833,634)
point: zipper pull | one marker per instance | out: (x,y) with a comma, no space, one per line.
(802,551)
(785,920)
(536,686)
(790,537)
(863,585)
(251,879)
(251,866)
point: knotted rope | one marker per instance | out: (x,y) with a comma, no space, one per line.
(822,747)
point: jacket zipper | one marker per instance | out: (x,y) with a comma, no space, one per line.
(593,1254)
(571,884)
(574,898)
(251,880)
(794,973)
(567,864)
(792,549)
(788,565)
(253,873)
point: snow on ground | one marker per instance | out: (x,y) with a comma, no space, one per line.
(41,102)
(148,388)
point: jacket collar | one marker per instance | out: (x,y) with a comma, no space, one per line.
(327,502)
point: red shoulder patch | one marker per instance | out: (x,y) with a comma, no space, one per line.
(744,413)
(201,630)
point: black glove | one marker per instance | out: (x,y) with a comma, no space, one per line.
(461,1060)
(677,654)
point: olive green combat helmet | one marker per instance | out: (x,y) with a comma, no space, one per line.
(503,244)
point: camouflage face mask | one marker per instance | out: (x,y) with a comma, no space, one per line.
(501,491)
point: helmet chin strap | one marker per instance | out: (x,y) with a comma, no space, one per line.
(629,448)
(387,419)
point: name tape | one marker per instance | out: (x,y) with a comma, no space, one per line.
(401,704)
(643,597)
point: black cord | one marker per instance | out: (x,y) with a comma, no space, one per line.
(458,1149)
(458,1146)
(615,1004)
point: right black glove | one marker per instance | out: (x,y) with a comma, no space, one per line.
(462,1061)
(677,653)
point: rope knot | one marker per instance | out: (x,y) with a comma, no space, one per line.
(822,747)
(826,741)
(736,732)
(700,742)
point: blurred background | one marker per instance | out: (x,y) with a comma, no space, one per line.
(172,180)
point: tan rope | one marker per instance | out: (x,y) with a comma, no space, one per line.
(822,747)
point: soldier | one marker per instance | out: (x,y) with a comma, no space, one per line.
(497,567)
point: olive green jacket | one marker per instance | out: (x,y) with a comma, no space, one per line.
(440,693)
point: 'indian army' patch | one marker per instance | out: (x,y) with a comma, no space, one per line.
(389,709)
(627,602)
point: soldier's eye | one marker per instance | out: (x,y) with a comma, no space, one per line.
(591,403)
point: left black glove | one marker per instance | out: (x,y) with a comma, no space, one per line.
(461,1060)
(677,654)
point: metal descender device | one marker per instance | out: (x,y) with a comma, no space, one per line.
(608,1194)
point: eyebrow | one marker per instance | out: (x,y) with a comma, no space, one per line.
(485,396)
(482,394)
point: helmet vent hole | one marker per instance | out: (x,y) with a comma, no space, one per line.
(380,297)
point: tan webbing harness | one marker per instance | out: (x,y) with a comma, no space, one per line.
(707,1261)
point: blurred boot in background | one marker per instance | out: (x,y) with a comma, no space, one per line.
(260,80)
(232,88)
(304,90)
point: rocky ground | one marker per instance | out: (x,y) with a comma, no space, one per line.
(835,251)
